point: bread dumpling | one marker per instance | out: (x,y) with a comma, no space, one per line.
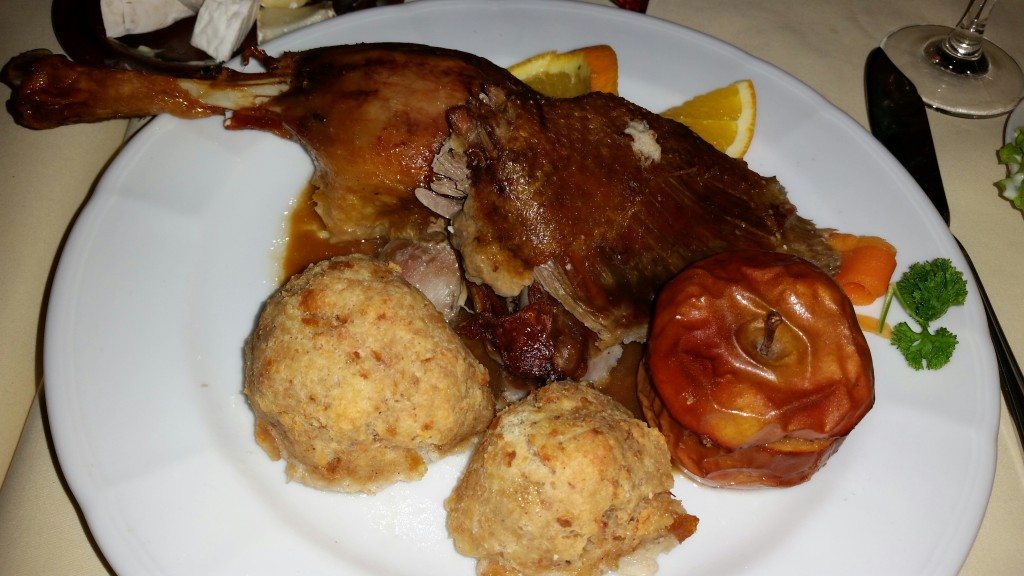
(564,482)
(356,380)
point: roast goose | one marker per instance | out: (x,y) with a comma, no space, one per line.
(596,200)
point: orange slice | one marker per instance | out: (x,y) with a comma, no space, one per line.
(724,117)
(568,74)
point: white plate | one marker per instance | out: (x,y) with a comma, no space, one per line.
(167,267)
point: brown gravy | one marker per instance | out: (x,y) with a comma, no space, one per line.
(307,239)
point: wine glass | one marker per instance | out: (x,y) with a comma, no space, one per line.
(956,70)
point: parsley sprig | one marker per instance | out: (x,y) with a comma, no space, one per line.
(926,291)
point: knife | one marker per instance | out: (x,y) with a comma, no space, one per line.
(897,117)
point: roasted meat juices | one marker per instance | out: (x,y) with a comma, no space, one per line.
(756,369)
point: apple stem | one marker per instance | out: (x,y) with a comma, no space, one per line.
(771,322)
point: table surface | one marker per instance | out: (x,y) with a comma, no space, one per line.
(47,177)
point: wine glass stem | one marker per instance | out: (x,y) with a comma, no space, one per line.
(964,41)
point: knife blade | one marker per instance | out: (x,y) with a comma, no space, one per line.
(898,119)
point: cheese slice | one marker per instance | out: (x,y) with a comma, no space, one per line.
(122,17)
(273,22)
(222,25)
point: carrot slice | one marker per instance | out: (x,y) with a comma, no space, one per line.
(866,267)
(871,325)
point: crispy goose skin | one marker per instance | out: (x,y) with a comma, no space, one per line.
(48,91)
(371,116)
(567,193)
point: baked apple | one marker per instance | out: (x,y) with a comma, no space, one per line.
(756,369)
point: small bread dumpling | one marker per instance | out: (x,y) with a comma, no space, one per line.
(566,482)
(357,381)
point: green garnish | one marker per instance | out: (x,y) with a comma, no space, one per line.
(1012,155)
(924,349)
(926,291)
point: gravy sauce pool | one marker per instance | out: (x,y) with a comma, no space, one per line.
(307,239)
(308,243)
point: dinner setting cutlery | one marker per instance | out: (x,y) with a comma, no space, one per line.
(898,119)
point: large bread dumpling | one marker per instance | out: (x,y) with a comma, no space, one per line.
(565,482)
(357,381)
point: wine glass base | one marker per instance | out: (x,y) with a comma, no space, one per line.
(974,93)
